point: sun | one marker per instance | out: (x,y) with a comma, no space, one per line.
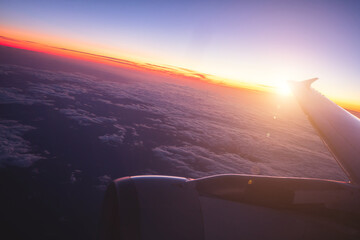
(283,89)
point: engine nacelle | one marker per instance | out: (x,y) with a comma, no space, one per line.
(230,207)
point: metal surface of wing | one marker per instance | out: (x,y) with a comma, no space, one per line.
(339,129)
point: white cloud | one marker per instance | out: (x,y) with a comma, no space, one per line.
(112,138)
(66,91)
(195,161)
(85,118)
(14,149)
(103,182)
(15,95)
(75,176)
(118,137)
(236,128)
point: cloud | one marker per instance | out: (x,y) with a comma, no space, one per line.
(14,95)
(224,123)
(103,182)
(118,137)
(75,176)
(66,91)
(14,149)
(112,139)
(211,120)
(115,138)
(105,179)
(195,161)
(85,118)
(67,86)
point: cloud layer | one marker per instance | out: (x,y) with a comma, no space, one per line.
(14,149)
(196,128)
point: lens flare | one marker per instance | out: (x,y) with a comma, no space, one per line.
(283,89)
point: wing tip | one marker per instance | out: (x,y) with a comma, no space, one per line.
(306,83)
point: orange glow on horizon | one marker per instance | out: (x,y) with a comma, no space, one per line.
(123,62)
(73,51)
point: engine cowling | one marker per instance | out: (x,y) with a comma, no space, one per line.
(230,207)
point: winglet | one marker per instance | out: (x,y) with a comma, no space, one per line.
(306,83)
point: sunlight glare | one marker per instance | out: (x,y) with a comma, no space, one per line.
(284,89)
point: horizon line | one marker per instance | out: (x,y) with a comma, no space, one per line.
(145,66)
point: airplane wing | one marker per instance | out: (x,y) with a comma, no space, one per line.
(246,206)
(339,129)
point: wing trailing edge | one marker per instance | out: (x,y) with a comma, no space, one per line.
(339,129)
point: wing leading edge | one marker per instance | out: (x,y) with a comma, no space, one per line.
(339,129)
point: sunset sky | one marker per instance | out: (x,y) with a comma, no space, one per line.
(252,42)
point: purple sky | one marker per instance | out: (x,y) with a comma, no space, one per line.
(261,42)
